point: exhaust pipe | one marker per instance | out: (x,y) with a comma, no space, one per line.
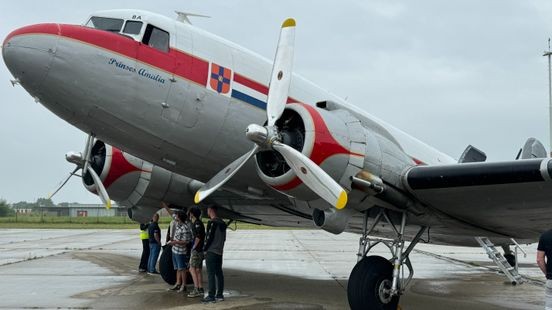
(332,220)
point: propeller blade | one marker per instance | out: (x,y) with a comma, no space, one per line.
(100,187)
(313,176)
(87,151)
(63,183)
(224,175)
(281,72)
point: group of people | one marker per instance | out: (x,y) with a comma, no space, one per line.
(190,244)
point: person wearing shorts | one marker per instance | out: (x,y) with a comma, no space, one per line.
(180,263)
(180,254)
(196,260)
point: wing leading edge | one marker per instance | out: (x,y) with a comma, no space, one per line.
(512,198)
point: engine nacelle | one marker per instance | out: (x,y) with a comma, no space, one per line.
(334,140)
(137,184)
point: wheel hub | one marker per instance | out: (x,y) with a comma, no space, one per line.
(384,291)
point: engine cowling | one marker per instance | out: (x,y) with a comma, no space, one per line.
(334,140)
(137,184)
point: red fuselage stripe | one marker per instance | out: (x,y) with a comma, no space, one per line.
(174,62)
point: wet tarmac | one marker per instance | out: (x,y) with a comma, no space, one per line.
(264,269)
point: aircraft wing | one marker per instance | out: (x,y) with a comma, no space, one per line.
(512,198)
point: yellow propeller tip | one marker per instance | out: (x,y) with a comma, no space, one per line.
(341,201)
(197,198)
(290,22)
(108,205)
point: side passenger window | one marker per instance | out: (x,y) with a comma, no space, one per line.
(156,38)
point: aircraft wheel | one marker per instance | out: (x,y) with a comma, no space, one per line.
(166,268)
(511,258)
(367,284)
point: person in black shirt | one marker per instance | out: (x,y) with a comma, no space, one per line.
(196,260)
(154,233)
(214,245)
(544,260)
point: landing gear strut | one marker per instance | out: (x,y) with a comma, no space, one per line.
(376,282)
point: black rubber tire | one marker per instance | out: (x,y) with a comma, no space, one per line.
(166,267)
(511,258)
(364,283)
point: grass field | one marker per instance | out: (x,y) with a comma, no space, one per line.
(107,222)
(67,226)
(37,221)
(66,219)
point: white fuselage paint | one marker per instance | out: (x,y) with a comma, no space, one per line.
(216,133)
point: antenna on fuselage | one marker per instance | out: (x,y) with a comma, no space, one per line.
(183,16)
(548,54)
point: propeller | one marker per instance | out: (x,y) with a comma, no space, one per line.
(84,164)
(268,137)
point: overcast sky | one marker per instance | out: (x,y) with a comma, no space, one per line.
(450,73)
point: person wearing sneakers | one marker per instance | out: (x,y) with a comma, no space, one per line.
(154,234)
(196,259)
(180,254)
(214,245)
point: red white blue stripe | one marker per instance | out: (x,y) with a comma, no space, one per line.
(249,91)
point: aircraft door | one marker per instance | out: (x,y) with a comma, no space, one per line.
(155,67)
(180,107)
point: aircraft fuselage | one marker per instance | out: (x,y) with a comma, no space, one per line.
(175,109)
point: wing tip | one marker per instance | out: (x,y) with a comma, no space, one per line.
(290,22)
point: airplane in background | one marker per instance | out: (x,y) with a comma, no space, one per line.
(167,106)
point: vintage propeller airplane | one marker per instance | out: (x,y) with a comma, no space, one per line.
(166,105)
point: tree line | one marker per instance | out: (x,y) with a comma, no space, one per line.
(7,209)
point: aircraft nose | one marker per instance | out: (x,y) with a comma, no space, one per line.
(28,53)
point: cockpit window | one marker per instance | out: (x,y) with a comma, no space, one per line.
(156,38)
(132,27)
(104,23)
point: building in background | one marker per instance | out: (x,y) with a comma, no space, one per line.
(23,210)
(83,210)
